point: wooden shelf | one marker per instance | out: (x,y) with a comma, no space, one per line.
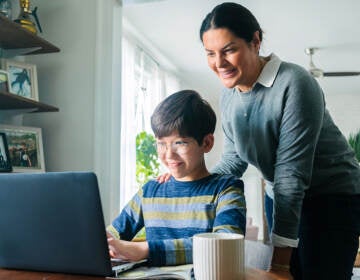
(15,102)
(13,36)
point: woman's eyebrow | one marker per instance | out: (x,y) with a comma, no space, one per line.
(224,47)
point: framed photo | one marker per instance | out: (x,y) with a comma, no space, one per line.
(5,163)
(22,78)
(25,148)
(4,81)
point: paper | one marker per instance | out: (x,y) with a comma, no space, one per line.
(181,272)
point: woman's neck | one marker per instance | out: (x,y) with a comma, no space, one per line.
(255,75)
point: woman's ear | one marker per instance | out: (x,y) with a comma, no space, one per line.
(208,142)
(256,40)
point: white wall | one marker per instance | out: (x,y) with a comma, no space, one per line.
(344,104)
(67,80)
(83,81)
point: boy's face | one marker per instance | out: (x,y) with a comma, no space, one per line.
(183,156)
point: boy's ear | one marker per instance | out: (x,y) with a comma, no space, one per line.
(208,142)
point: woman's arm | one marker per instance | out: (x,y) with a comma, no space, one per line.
(299,132)
(230,162)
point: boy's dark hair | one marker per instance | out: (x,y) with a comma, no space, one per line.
(234,17)
(185,112)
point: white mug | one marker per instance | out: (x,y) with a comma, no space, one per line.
(218,256)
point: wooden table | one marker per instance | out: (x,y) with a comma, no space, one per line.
(5,274)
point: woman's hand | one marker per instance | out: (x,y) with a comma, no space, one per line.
(280,275)
(163,177)
(280,268)
(127,250)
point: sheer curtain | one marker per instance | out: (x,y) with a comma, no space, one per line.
(144,85)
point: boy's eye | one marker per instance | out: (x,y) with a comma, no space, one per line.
(181,143)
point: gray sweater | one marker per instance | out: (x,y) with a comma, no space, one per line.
(281,126)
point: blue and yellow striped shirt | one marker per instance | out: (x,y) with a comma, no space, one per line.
(172,212)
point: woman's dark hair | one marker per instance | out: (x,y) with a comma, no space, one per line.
(185,112)
(234,17)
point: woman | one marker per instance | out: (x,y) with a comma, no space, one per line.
(274,117)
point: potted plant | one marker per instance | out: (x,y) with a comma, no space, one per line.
(147,163)
(354,141)
(147,166)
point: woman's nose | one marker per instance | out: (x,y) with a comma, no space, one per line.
(220,61)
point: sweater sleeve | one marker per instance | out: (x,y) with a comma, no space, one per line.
(300,127)
(130,220)
(230,217)
(230,162)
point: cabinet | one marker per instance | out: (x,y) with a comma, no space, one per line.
(18,41)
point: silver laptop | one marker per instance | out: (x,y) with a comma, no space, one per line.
(54,222)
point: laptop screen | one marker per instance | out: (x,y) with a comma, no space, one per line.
(53,222)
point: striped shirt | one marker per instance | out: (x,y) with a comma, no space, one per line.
(172,212)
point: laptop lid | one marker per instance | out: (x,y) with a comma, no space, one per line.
(53,222)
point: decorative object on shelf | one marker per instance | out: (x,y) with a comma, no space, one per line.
(22,78)
(4,81)
(5,164)
(25,148)
(24,18)
(5,8)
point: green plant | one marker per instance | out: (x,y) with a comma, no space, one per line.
(147,163)
(354,141)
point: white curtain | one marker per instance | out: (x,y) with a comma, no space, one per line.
(144,85)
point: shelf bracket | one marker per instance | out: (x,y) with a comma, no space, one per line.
(8,53)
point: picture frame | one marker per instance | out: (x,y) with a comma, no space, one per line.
(4,81)
(5,163)
(25,147)
(22,78)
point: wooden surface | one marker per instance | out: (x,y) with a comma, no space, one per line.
(13,36)
(251,274)
(15,102)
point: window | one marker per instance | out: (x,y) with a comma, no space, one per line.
(144,85)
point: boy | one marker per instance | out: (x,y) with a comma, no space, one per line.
(192,201)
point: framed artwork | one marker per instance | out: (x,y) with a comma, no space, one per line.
(25,148)
(22,78)
(4,81)
(5,163)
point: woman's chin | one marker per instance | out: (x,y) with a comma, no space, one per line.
(228,83)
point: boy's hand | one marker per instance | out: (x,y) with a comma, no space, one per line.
(127,250)
(163,177)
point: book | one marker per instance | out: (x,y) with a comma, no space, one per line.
(180,272)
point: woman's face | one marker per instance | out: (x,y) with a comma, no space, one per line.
(233,60)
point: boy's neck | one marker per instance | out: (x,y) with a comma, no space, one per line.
(199,175)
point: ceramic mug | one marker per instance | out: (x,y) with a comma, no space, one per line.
(218,256)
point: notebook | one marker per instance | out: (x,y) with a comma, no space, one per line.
(54,222)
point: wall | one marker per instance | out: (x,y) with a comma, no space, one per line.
(83,82)
(344,104)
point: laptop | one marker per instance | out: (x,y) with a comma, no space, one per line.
(54,222)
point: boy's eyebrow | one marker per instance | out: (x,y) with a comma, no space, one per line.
(224,47)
